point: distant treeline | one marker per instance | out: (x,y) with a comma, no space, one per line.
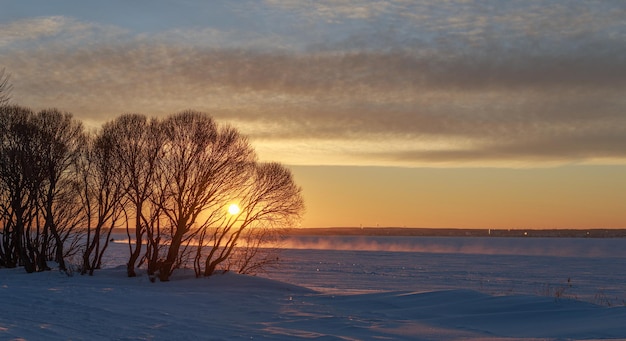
(457,232)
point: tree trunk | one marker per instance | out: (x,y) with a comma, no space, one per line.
(172,253)
(130,267)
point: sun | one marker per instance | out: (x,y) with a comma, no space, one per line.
(233,209)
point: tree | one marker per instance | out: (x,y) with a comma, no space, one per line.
(37,154)
(136,145)
(179,174)
(5,87)
(258,250)
(269,199)
(62,142)
(102,198)
(20,179)
(202,168)
(169,181)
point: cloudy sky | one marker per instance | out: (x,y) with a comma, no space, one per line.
(419,113)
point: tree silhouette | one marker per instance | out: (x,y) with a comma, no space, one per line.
(38,203)
(136,145)
(62,141)
(269,199)
(19,181)
(102,198)
(180,174)
(169,181)
(203,167)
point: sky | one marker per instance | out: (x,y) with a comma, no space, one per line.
(449,113)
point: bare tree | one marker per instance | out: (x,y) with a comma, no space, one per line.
(20,180)
(5,87)
(137,146)
(102,198)
(269,199)
(37,154)
(62,140)
(169,181)
(201,169)
(258,250)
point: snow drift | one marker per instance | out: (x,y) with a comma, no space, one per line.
(53,306)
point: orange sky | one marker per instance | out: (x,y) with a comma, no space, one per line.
(561,197)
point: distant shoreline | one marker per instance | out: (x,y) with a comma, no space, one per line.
(457,232)
(446,232)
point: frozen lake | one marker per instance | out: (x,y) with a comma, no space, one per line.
(587,269)
(365,288)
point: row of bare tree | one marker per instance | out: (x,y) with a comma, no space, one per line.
(167,181)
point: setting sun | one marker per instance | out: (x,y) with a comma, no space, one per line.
(233,209)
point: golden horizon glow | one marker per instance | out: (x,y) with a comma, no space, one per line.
(563,197)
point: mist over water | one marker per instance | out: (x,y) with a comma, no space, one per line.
(522,246)
(563,247)
(590,269)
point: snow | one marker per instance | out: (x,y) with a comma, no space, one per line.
(339,295)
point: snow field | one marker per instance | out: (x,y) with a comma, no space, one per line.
(330,295)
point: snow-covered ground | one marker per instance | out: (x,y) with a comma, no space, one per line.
(380,288)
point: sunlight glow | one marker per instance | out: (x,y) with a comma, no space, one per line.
(233,209)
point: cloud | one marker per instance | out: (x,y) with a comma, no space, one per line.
(437,85)
(330,10)
(32,32)
(29,29)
